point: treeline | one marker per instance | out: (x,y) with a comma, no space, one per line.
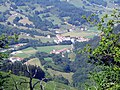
(81,66)
(10,31)
(20,69)
(58,63)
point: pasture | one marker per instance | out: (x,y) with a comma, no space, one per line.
(48,49)
(34,61)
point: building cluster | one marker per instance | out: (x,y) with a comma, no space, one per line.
(19,45)
(61,39)
(12,48)
(64,50)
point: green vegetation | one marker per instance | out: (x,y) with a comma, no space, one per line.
(107,54)
(10,85)
(48,59)
(98,68)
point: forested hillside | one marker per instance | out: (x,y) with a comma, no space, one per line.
(59,45)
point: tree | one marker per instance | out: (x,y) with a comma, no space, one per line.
(4,42)
(107,54)
(31,77)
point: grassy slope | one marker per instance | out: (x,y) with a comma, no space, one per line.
(68,76)
(36,61)
(48,86)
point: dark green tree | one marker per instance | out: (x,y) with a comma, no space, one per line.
(4,44)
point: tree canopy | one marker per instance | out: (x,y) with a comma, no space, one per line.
(107,54)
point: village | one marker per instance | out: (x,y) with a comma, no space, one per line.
(58,40)
(61,39)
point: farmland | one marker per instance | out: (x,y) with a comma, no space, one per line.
(30,51)
(48,49)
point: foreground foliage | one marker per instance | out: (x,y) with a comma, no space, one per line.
(107,54)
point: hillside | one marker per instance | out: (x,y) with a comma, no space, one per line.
(48,36)
(47,86)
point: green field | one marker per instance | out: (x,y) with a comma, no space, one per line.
(48,59)
(31,51)
(79,34)
(26,52)
(22,55)
(48,49)
(58,86)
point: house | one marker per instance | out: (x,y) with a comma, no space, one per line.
(19,45)
(59,51)
(48,36)
(83,28)
(81,39)
(13,59)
